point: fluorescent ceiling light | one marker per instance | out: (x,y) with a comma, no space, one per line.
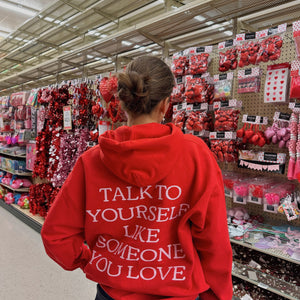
(103,35)
(208,23)
(228,32)
(18,8)
(48,19)
(136,46)
(221,28)
(199,18)
(142,48)
(148,50)
(126,43)
(90,56)
(155,52)
(215,26)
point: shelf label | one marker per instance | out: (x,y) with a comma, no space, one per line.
(252,275)
(67,118)
(262,285)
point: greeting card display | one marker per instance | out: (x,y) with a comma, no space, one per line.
(276,84)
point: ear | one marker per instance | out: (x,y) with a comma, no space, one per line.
(165,105)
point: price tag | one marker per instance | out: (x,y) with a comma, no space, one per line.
(246,297)
(262,285)
(1,123)
(67,118)
(252,275)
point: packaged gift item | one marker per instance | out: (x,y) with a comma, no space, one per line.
(177,95)
(253,130)
(248,48)
(295,80)
(257,188)
(180,63)
(279,132)
(229,179)
(224,146)
(196,89)
(199,59)
(227,56)
(241,191)
(198,121)
(289,208)
(223,86)
(249,80)
(179,116)
(270,41)
(227,115)
(277,79)
(296,35)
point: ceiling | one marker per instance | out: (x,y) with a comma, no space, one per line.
(80,38)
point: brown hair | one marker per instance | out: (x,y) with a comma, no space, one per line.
(146,81)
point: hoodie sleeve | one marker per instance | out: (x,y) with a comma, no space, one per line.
(63,230)
(210,233)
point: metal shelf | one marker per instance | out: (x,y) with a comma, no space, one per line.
(270,252)
(17,173)
(235,272)
(35,222)
(13,155)
(21,190)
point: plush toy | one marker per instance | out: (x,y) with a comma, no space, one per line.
(2,174)
(24,201)
(18,183)
(9,198)
(6,179)
(238,215)
(17,197)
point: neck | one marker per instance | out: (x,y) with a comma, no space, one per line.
(142,119)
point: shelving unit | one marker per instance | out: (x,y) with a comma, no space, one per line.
(240,271)
(17,173)
(35,222)
(270,252)
(21,190)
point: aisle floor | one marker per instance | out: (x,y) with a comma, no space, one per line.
(27,273)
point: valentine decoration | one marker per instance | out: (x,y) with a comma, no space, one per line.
(296,35)
(41,197)
(227,58)
(241,192)
(295,80)
(198,121)
(251,133)
(289,208)
(199,59)
(198,89)
(279,132)
(179,115)
(262,161)
(223,85)
(276,83)
(180,63)
(270,41)
(226,115)
(257,188)
(248,48)
(177,95)
(224,146)
(249,80)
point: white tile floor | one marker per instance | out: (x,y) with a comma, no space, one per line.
(27,273)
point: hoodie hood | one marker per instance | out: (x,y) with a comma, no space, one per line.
(142,154)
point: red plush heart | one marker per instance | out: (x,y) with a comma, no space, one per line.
(105,92)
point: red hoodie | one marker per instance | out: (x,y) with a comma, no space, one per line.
(149,202)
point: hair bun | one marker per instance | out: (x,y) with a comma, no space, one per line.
(133,91)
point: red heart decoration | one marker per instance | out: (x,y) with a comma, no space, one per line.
(105,93)
(275,82)
(274,93)
(268,99)
(280,93)
(276,72)
(275,87)
(270,73)
(282,77)
(269,83)
(268,94)
(274,98)
(276,77)
(270,78)
(282,71)
(281,81)
(281,87)
(268,88)
(280,98)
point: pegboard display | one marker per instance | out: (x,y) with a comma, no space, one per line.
(253,105)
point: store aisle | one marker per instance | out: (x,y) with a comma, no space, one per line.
(27,273)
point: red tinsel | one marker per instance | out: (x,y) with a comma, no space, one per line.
(41,197)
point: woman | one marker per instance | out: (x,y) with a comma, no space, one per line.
(148,201)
